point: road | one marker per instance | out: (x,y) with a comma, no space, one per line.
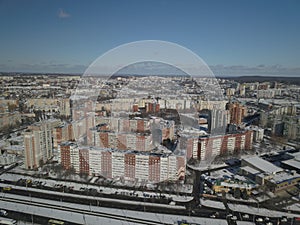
(16,200)
(2,171)
(114,202)
(87,214)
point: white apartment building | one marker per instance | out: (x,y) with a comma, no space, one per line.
(142,167)
(95,161)
(117,164)
(38,143)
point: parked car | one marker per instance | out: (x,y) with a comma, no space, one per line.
(3,212)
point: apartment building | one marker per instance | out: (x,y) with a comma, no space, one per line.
(224,144)
(62,133)
(237,112)
(130,165)
(38,143)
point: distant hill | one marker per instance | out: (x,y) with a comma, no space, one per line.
(286,80)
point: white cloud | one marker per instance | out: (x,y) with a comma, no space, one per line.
(63,14)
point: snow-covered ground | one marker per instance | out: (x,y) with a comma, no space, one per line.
(260,211)
(294,207)
(180,187)
(26,223)
(77,186)
(247,209)
(138,203)
(212,204)
(207,166)
(83,218)
(18,222)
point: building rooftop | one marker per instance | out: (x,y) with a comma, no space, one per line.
(262,165)
(294,162)
(238,185)
(282,177)
(250,170)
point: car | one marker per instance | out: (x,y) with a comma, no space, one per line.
(284,219)
(233,218)
(28,181)
(93,191)
(21,181)
(7,188)
(245,216)
(214,215)
(3,212)
(259,219)
(35,183)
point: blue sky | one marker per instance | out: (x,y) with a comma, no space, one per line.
(233,37)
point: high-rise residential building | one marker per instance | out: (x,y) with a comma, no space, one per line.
(292,127)
(152,107)
(230,92)
(121,141)
(218,120)
(64,107)
(62,133)
(94,162)
(84,164)
(154,168)
(135,107)
(201,104)
(242,90)
(68,157)
(117,164)
(282,120)
(189,142)
(132,134)
(258,133)
(263,86)
(130,165)
(237,112)
(61,105)
(224,144)
(269,93)
(38,143)
(32,152)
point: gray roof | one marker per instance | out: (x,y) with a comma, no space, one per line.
(262,165)
(250,170)
(282,177)
(293,163)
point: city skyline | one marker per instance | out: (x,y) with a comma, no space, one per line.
(150,112)
(149,144)
(236,38)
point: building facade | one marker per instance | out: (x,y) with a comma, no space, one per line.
(130,165)
(237,112)
(224,144)
(38,143)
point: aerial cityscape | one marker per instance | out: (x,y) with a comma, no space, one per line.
(142,129)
